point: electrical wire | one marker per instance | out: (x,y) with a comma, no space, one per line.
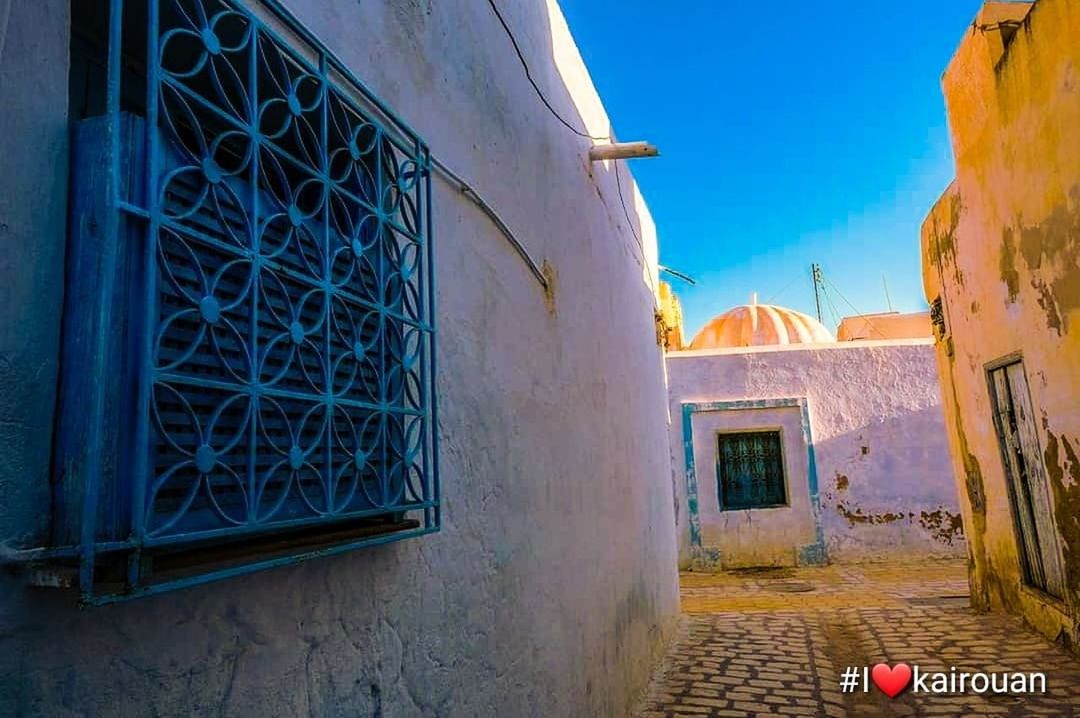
(626,212)
(565,123)
(467,190)
(786,287)
(630,224)
(831,306)
(840,294)
(536,87)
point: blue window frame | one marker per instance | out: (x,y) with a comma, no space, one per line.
(248,354)
(810,554)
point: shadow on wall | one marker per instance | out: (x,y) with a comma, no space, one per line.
(887,490)
(431,626)
(630,642)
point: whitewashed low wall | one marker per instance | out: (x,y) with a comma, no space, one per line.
(879,459)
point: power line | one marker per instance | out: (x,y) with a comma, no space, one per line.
(869,323)
(528,74)
(840,294)
(626,212)
(565,123)
(831,306)
(786,287)
(630,224)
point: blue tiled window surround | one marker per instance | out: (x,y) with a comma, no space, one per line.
(810,554)
(247,372)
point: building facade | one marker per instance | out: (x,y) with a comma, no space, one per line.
(547,467)
(1001,262)
(886,325)
(793,449)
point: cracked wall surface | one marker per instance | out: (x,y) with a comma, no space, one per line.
(1002,250)
(883,470)
(551,589)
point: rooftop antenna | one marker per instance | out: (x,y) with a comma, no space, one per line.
(815,275)
(886,285)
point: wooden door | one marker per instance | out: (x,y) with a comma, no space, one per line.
(1029,489)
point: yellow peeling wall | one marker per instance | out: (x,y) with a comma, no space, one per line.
(669,319)
(1002,250)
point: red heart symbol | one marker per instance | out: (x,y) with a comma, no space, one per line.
(891,680)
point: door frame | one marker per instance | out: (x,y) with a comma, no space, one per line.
(1017,357)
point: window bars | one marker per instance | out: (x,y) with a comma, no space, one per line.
(248,361)
(750,470)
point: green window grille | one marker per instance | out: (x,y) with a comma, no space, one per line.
(750,470)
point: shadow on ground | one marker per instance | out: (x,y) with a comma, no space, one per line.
(775,642)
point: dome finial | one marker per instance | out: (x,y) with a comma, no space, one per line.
(753,298)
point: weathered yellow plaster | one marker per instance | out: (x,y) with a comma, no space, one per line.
(670,318)
(1002,251)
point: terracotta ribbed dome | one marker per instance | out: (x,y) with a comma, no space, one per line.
(760,324)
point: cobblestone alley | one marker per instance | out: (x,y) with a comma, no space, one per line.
(774,642)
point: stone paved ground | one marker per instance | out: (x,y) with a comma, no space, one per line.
(774,643)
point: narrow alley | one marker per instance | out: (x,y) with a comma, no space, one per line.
(773,642)
(539,358)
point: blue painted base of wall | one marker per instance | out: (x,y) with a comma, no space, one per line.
(812,555)
(705,559)
(712,559)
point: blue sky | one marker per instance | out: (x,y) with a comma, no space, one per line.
(790,132)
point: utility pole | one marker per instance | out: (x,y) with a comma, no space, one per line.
(815,274)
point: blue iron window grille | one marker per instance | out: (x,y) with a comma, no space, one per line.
(248,353)
(750,470)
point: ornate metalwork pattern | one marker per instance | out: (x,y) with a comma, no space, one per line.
(271,251)
(291,335)
(750,470)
